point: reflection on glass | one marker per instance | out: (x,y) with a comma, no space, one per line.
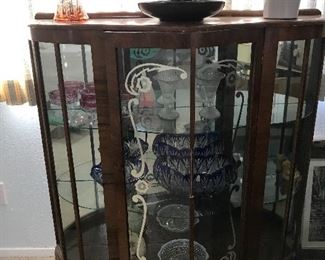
(167,81)
(280,156)
(222,87)
(208,80)
(155,106)
(302,161)
(57,132)
(77,73)
(81,105)
(153,131)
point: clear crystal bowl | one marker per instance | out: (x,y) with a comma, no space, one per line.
(175,217)
(179,250)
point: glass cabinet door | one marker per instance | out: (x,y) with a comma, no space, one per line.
(183,190)
(291,132)
(67,71)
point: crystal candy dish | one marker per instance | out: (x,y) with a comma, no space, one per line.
(178,249)
(175,217)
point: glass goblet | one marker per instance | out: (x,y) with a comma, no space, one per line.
(208,81)
(167,81)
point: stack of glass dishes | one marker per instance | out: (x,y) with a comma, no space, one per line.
(213,172)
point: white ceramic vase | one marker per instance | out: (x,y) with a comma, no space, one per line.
(281,9)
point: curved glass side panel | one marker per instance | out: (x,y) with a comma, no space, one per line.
(287,90)
(82,116)
(289,148)
(305,227)
(76,66)
(57,133)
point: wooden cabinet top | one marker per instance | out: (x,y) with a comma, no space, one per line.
(139,22)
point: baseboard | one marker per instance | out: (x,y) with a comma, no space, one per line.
(27,252)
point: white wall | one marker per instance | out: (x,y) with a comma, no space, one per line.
(26,221)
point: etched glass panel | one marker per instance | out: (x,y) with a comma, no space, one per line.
(154,94)
(222,91)
(155,108)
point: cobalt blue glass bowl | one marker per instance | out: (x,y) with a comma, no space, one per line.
(178,145)
(203,165)
(131,148)
(97,173)
(209,178)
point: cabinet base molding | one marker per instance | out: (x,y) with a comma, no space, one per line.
(46,253)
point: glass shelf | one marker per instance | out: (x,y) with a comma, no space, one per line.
(78,118)
(85,184)
(148,119)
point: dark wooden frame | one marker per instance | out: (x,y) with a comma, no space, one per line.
(109,36)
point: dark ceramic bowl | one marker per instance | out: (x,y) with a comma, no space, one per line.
(223,173)
(181,10)
(178,145)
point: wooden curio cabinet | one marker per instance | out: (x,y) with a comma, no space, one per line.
(178,140)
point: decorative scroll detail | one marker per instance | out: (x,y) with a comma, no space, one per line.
(231,247)
(207,52)
(136,199)
(141,186)
(137,81)
(134,172)
(237,68)
(230,256)
(239,94)
(143,53)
